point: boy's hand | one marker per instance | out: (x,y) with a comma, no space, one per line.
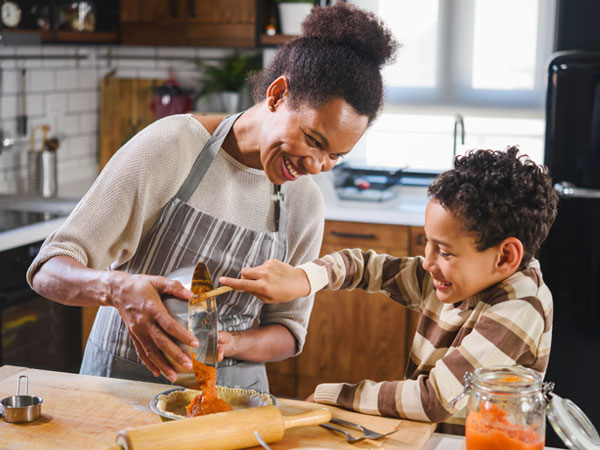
(272,282)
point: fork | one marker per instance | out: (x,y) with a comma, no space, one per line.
(370,434)
(352,439)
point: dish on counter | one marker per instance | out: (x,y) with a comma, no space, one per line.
(170,404)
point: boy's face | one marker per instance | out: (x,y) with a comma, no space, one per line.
(458,269)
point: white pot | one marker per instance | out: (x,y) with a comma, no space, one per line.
(231,101)
(291,16)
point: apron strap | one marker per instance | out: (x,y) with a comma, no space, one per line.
(205,158)
(281,218)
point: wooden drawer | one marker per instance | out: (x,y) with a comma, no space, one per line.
(393,239)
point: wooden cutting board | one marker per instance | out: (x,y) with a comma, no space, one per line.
(124,110)
(85,412)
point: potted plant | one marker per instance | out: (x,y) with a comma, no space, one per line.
(291,15)
(228,79)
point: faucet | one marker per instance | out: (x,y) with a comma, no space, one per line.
(458,120)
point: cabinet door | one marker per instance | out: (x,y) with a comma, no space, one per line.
(352,335)
(213,23)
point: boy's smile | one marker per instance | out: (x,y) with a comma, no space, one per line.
(457,268)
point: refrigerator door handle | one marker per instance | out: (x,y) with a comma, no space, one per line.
(565,189)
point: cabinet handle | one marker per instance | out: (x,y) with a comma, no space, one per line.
(420,239)
(354,235)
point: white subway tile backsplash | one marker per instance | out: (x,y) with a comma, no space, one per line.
(82,146)
(156,74)
(9,81)
(78,101)
(56,104)
(67,79)
(68,124)
(88,78)
(40,80)
(89,123)
(64,92)
(8,103)
(93,100)
(35,105)
(59,57)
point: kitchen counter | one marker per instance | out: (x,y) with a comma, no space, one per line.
(39,231)
(406,208)
(86,412)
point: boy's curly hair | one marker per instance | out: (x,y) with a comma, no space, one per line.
(496,195)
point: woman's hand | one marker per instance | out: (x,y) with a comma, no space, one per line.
(227,344)
(151,327)
(310,398)
(137,299)
(272,282)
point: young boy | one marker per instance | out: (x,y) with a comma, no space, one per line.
(479,292)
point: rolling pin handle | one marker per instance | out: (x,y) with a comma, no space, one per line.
(312,417)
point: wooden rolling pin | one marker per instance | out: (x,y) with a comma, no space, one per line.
(221,431)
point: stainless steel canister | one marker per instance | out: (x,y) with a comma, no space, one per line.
(21,408)
(34,162)
(48,175)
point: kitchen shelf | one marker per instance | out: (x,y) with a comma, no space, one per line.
(277,39)
(59,37)
(87,36)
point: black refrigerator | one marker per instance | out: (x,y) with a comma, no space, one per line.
(570,258)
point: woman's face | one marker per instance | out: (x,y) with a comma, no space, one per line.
(302,141)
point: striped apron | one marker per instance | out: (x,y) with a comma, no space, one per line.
(183,236)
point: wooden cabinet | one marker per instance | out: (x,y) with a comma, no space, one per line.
(209,23)
(353,335)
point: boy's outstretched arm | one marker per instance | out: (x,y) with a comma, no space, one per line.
(272,282)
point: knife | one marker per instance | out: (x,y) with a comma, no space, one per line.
(202,316)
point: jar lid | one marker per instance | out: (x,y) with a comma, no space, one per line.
(572,425)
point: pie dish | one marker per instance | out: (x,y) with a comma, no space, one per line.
(170,404)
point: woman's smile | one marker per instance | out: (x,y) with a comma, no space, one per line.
(290,171)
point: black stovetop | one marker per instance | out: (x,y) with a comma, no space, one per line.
(11,219)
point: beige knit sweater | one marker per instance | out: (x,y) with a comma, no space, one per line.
(107,225)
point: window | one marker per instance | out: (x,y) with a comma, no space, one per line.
(482,59)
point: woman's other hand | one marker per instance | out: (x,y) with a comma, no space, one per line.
(272,282)
(151,327)
(310,398)
(226,344)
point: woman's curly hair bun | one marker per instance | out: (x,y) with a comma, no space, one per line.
(346,24)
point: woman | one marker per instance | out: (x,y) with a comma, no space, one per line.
(230,192)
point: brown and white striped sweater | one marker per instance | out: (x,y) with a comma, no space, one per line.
(510,323)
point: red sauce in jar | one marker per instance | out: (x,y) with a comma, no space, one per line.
(489,429)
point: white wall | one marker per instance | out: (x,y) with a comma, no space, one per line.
(64,93)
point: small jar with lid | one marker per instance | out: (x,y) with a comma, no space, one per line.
(507,409)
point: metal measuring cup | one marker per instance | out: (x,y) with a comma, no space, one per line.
(21,408)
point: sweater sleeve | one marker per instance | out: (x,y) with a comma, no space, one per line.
(401,279)
(509,332)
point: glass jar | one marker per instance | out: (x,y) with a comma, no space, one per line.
(507,408)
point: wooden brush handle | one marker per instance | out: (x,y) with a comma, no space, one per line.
(213,293)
